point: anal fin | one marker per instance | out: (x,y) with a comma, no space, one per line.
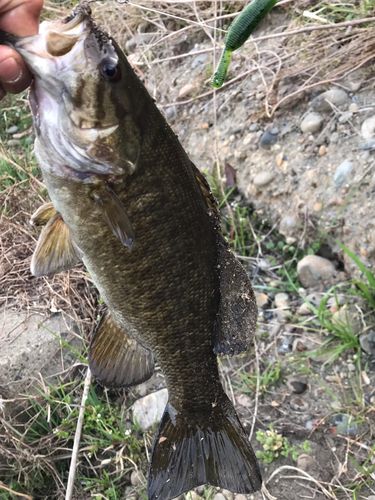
(55,250)
(115,215)
(116,359)
(238,311)
(43,215)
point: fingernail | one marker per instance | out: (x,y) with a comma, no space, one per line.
(10,72)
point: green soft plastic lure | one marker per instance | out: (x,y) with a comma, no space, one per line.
(239,31)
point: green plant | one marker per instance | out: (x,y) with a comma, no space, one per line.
(275,444)
(267,377)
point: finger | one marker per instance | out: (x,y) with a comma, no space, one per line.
(20,17)
(14,76)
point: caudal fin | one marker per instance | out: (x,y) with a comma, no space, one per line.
(193,449)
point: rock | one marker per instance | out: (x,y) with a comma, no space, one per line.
(367,341)
(322,150)
(219,496)
(312,123)
(289,225)
(368,145)
(296,384)
(244,400)
(136,478)
(342,173)
(347,318)
(304,309)
(149,410)
(28,348)
(13,142)
(185,90)
(200,490)
(239,496)
(298,404)
(12,130)
(136,40)
(263,179)
(199,60)
(312,270)
(261,298)
(268,139)
(228,494)
(345,117)
(306,463)
(192,495)
(334,137)
(338,299)
(254,127)
(354,108)
(336,96)
(170,113)
(286,345)
(368,129)
(344,425)
(281,300)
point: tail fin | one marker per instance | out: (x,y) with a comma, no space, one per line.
(210,447)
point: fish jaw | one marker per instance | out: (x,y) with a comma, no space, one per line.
(76,119)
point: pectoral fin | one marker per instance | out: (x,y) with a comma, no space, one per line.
(55,250)
(238,312)
(43,215)
(115,358)
(115,215)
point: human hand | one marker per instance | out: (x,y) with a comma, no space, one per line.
(19,17)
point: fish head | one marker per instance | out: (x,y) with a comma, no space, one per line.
(79,98)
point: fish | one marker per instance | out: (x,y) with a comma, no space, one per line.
(129,203)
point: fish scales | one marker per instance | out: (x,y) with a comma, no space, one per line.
(143,220)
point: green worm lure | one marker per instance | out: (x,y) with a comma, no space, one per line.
(239,31)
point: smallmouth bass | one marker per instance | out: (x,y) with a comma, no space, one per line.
(126,199)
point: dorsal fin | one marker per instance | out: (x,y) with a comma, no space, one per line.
(43,215)
(115,215)
(238,312)
(55,250)
(116,359)
(206,191)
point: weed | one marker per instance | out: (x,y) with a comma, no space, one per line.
(275,444)
(267,378)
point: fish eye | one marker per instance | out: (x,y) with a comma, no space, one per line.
(110,71)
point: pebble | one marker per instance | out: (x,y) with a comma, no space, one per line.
(304,310)
(219,496)
(244,400)
(336,96)
(286,345)
(240,497)
(261,298)
(312,123)
(298,404)
(312,270)
(345,117)
(200,490)
(136,478)
(342,173)
(368,145)
(322,150)
(268,139)
(13,142)
(367,341)
(306,463)
(12,130)
(368,128)
(228,494)
(249,138)
(353,108)
(288,225)
(149,410)
(339,299)
(199,60)
(296,384)
(351,367)
(334,137)
(238,129)
(263,179)
(281,300)
(170,113)
(344,317)
(186,89)
(192,495)
(254,127)
(343,424)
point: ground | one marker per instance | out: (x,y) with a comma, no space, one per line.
(288,188)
